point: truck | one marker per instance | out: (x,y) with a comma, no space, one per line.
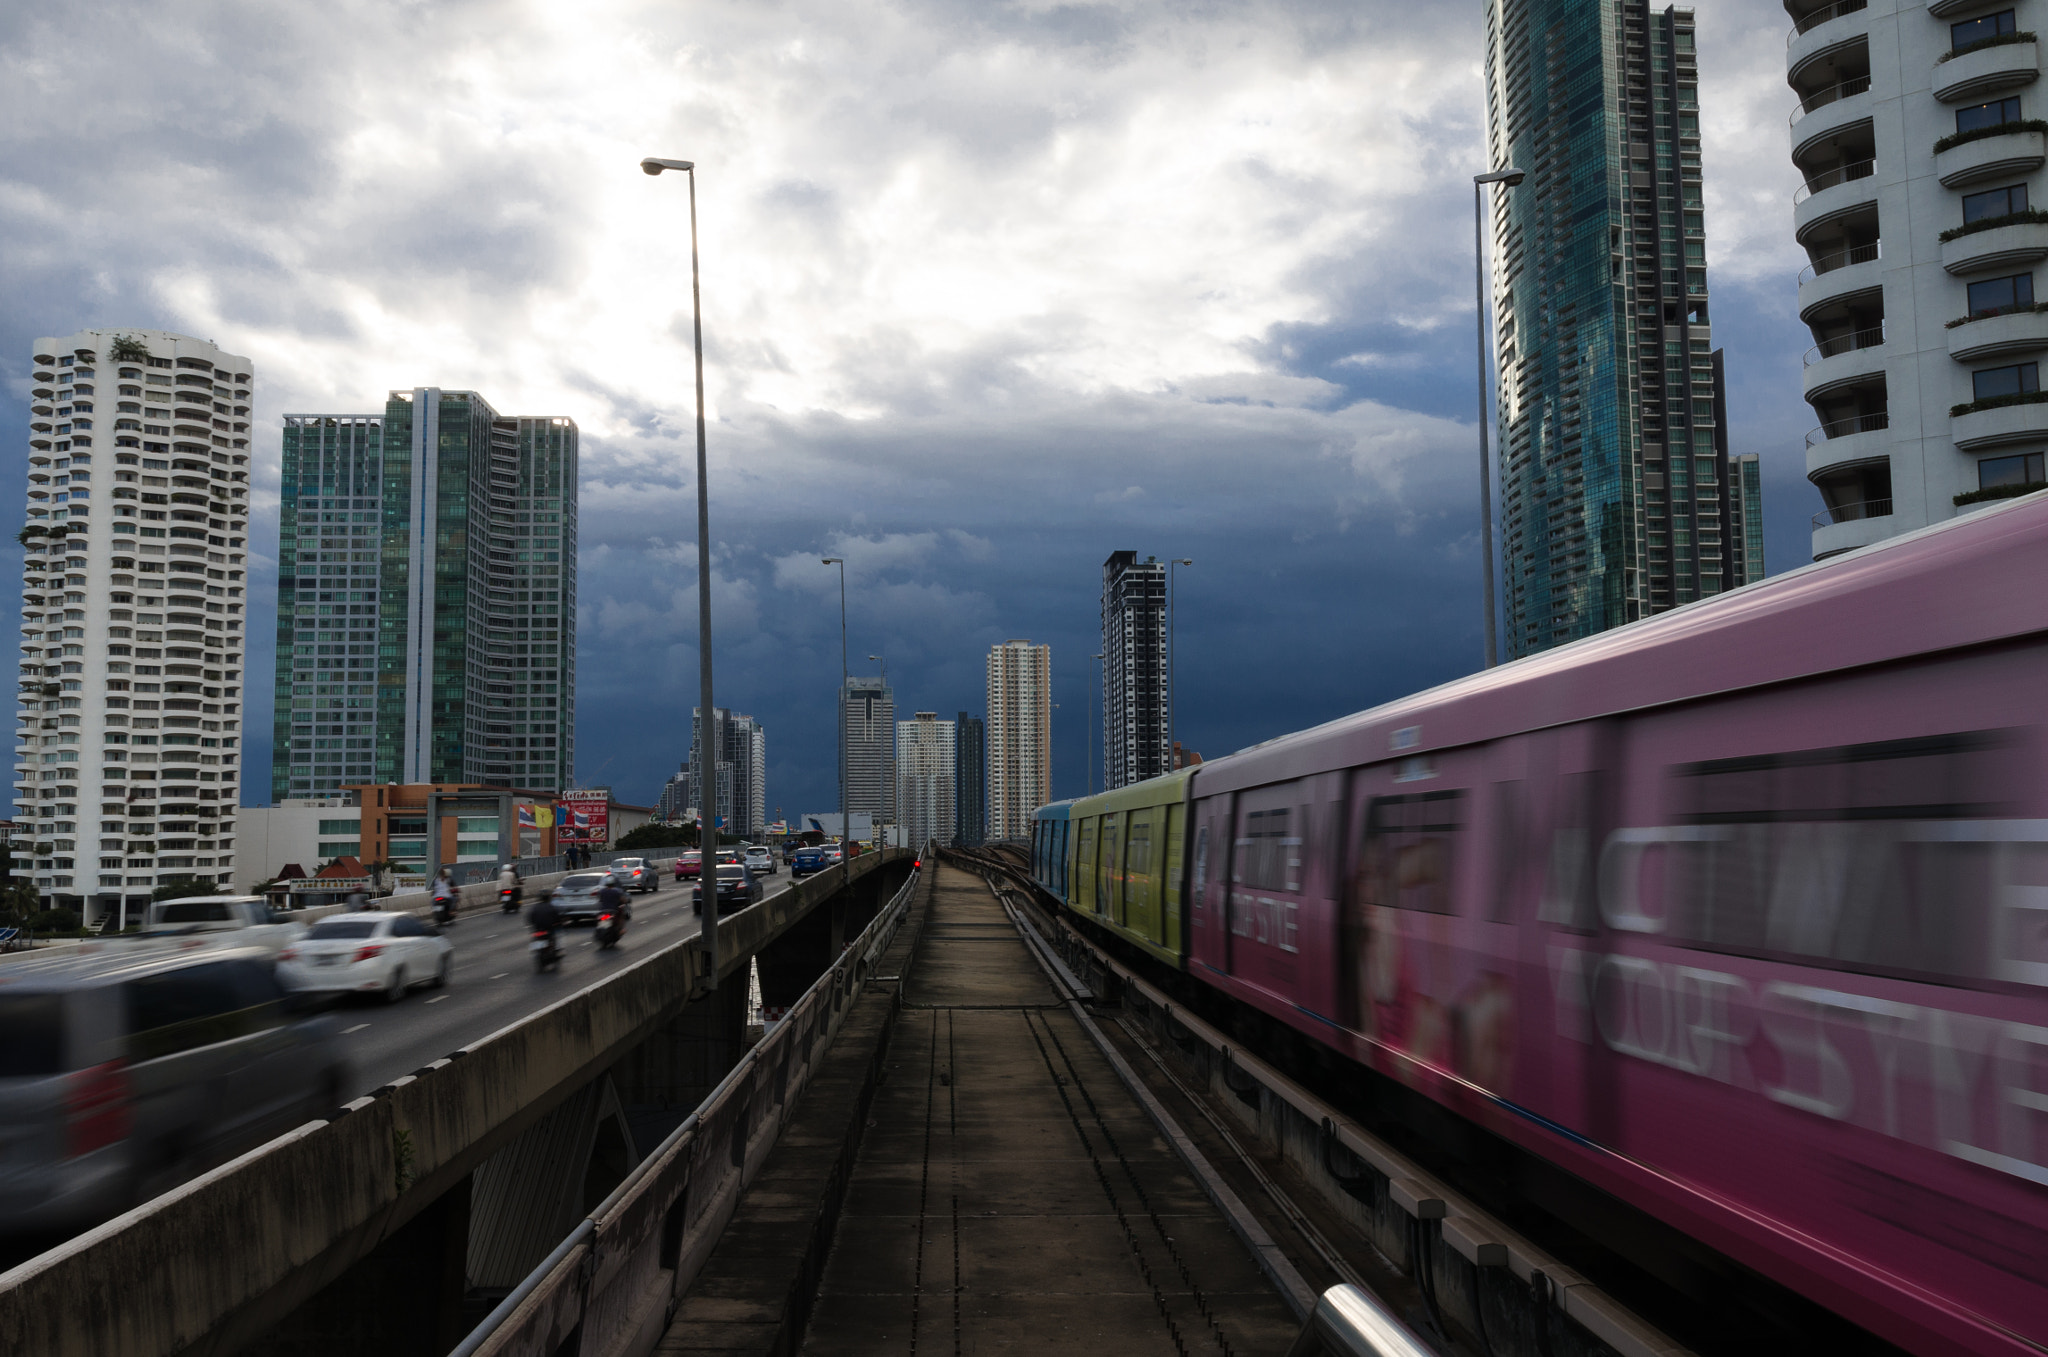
(225,920)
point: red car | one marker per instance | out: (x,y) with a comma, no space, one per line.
(688,865)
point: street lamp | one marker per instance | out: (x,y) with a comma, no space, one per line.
(1090,737)
(707,767)
(1172,672)
(1508,178)
(845,816)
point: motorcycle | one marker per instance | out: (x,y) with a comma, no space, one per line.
(546,955)
(508,899)
(610,928)
(444,911)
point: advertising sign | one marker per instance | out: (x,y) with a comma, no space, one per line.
(584,818)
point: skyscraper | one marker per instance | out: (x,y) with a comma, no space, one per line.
(869,712)
(1135,717)
(970,781)
(925,779)
(1918,135)
(742,750)
(426,614)
(1613,459)
(1019,736)
(128,769)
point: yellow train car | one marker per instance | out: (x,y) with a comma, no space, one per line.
(1127,849)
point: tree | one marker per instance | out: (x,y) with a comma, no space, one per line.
(657,836)
(184,887)
(127,349)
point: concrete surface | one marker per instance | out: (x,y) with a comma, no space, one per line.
(1007,1194)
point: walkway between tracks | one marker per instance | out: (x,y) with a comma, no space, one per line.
(1004,1190)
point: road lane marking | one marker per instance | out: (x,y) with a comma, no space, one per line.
(437,999)
(357,1028)
(501,975)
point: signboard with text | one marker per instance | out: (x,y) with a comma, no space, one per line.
(583,818)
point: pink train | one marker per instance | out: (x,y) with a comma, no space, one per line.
(1739,915)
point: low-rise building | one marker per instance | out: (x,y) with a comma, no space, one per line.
(414,829)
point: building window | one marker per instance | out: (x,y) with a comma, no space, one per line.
(1994,114)
(1970,32)
(1996,295)
(2008,381)
(2024,469)
(1994,203)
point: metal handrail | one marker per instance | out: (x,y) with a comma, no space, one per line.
(1852,513)
(1349,1322)
(1840,344)
(1820,16)
(1849,88)
(1827,179)
(1854,424)
(1842,259)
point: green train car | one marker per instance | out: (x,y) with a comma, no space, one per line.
(1118,858)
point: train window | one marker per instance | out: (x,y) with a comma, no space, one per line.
(1269,856)
(1407,854)
(1891,858)
(1201,882)
(1138,852)
(1507,851)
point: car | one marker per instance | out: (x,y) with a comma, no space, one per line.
(576,898)
(737,888)
(688,864)
(128,1070)
(637,874)
(806,860)
(221,920)
(368,953)
(758,860)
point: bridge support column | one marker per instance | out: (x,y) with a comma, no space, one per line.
(662,1080)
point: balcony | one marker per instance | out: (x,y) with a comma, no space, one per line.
(1989,69)
(1978,430)
(1999,336)
(1859,438)
(1839,276)
(2001,248)
(1850,526)
(1827,113)
(1820,29)
(2002,155)
(1843,360)
(1833,193)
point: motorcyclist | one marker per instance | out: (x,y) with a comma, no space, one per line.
(543,917)
(508,880)
(444,892)
(612,899)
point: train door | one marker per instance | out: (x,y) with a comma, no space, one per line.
(1107,894)
(1208,943)
(1064,834)
(1265,887)
(1139,915)
(1083,895)
(1170,878)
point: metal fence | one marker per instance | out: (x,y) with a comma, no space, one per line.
(606,1281)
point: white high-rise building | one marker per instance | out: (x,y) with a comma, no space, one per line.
(1918,132)
(134,597)
(924,779)
(1019,736)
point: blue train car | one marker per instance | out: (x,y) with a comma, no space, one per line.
(1050,850)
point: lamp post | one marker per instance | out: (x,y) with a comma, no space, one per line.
(1509,178)
(1092,682)
(707,767)
(845,816)
(1172,673)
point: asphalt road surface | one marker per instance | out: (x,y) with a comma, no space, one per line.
(494,983)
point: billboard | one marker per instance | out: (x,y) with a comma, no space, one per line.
(583,818)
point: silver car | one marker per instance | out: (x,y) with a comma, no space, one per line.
(637,874)
(759,861)
(125,1072)
(576,898)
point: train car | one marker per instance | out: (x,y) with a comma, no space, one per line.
(1127,854)
(1050,850)
(1739,914)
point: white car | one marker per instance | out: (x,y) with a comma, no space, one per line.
(222,920)
(367,953)
(758,860)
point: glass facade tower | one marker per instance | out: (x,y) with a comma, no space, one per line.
(1615,485)
(426,598)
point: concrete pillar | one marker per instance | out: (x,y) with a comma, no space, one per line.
(662,1080)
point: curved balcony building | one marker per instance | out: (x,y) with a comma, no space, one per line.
(128,739)
(1918,133)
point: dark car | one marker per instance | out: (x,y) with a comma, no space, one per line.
(737,888)
(125,1072)
(806,860)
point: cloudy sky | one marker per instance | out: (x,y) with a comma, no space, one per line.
(990,290)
